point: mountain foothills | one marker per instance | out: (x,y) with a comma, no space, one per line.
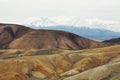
(30,54)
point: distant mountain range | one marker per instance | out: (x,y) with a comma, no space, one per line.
(91,33)
(94,29)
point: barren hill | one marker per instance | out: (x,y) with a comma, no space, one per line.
(20,37)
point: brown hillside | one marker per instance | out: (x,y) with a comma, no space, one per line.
(49,39)
(9,32)
(21,37)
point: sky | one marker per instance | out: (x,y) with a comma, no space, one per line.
(102,12)
(17,10)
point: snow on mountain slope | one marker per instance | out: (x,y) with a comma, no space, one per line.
(95,29)
(73,21)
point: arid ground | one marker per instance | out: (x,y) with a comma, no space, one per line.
(27,54)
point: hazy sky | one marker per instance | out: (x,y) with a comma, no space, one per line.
(18,10)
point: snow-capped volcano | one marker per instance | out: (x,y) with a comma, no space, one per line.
(72,21)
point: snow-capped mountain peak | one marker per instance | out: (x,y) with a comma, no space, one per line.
(35,22)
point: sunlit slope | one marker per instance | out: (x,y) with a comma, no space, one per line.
(61,64)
